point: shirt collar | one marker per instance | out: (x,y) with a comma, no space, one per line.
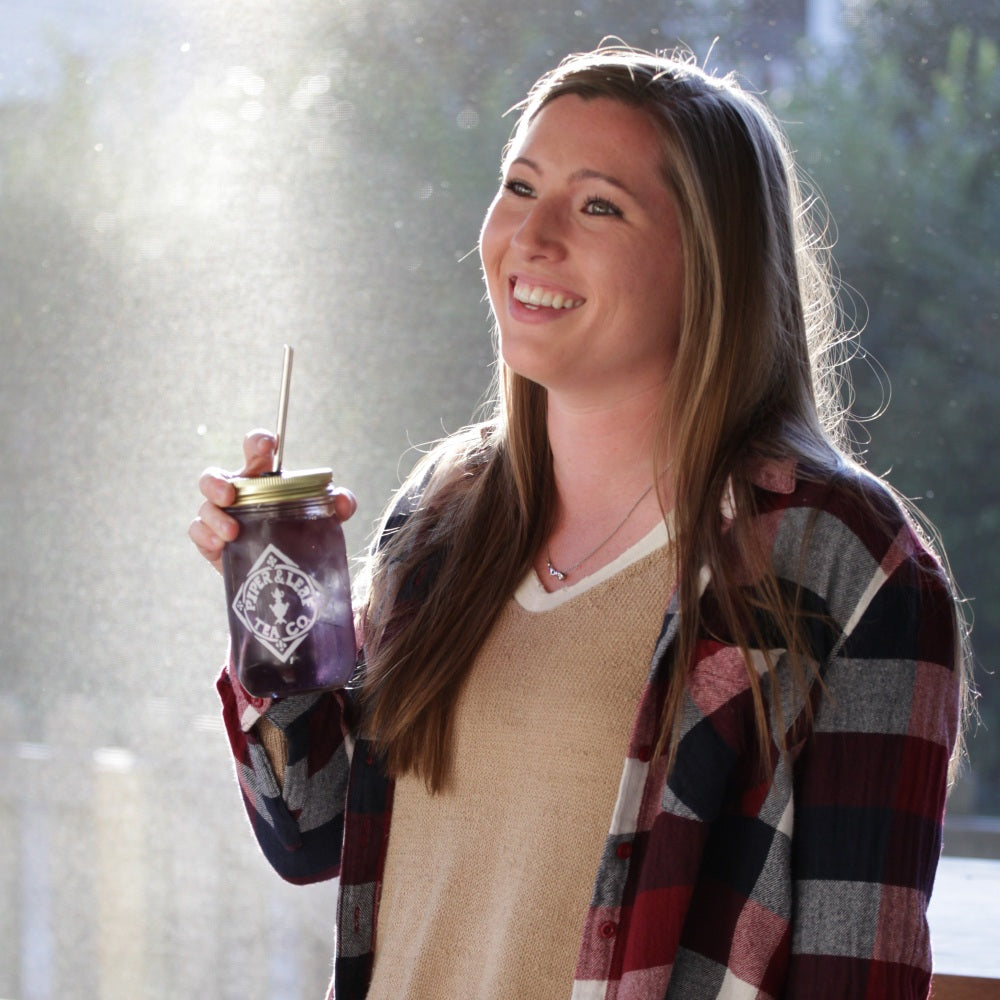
(776,475)
(772,474)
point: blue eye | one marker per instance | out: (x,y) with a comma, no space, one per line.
(518,188)
(601,206)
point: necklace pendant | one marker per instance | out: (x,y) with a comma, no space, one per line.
(559,574)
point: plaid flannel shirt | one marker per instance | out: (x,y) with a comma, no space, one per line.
(715,882)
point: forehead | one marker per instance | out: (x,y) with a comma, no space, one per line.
(600,129)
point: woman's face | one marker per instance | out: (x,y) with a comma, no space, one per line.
(581,250)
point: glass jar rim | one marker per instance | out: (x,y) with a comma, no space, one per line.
(280,487)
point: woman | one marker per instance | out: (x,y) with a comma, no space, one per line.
(656,551)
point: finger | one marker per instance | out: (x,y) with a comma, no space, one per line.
(345,503)
(215,487)
(258,452)
(207,542)
(218,522)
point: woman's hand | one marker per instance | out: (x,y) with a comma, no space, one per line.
(213,528)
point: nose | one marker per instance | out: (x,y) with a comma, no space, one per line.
(541,232)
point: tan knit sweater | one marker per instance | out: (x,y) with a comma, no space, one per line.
(487,884)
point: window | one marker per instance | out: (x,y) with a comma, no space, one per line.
(186,186)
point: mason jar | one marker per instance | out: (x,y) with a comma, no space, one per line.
(287,586)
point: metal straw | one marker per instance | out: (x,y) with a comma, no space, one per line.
(286,378)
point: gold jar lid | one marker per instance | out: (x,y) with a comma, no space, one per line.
(279,487)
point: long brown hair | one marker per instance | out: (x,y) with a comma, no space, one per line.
(755,377)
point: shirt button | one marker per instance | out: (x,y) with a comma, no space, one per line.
(644,753)
(624,850)
(608,929)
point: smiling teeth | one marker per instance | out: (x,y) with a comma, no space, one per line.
(539,296)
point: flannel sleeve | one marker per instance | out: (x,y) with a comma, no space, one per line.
(871,782)
(298,821)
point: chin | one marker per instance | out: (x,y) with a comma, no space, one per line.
(525,362)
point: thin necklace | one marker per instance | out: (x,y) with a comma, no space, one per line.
(561,574)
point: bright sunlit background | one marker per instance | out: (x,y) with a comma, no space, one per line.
(185,186)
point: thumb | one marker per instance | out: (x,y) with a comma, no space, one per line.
(258,453)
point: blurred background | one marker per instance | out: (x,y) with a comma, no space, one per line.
(185,186)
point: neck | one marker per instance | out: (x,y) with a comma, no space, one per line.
(603,466)
(602,451)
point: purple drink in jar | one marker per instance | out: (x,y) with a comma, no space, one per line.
(287,586)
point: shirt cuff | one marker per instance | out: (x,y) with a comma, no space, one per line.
(249,708)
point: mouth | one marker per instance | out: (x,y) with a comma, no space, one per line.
(542,296)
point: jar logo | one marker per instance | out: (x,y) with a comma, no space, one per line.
(278,603)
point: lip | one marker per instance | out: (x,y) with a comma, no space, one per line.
(539,312)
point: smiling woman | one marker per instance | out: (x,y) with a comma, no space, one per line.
(582,255)
(707,756)
(184,186)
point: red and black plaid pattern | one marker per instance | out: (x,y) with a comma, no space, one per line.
(715,882)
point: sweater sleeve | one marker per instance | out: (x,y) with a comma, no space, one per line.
(871,782)
(299,815)
(298,820)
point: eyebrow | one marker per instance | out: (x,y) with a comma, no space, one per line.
(583,174)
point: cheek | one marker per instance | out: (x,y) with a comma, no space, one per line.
(657,295)
(491,250)
(663,282)
(489,236)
